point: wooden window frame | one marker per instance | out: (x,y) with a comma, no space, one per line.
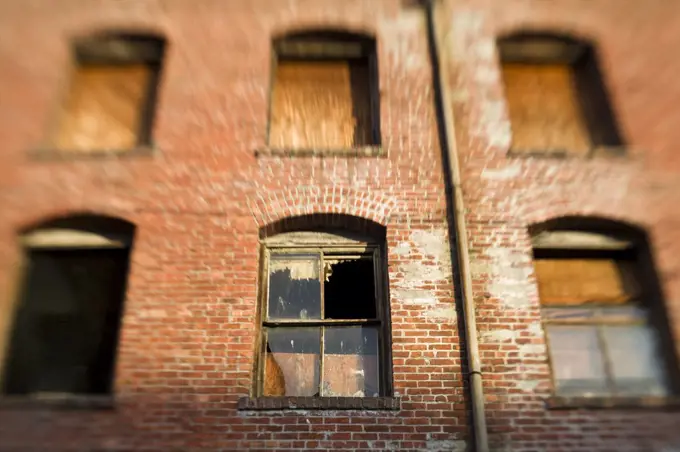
(372,251)
(619,251)
(114,50)
(594,104)
(330,47)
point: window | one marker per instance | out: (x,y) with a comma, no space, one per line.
(324,319)
(556,98)
(66,322)
(109,105)
(597,304)
(324,93)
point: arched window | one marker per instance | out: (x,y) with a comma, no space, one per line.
(325,316)
(111,98)
(324,92)
(557,100)
(66,321)
(600,308)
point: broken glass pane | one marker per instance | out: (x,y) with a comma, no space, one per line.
(292,362)
(641,375)
(350,364)
(577,361)
(349,289)
(294,286)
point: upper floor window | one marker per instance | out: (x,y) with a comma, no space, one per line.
(556,97)
(109,105)
(324,317)
(324,92)
(600,311)
(65,330)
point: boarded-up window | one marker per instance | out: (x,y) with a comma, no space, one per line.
(555,95)
(323,324)
(595,315)
(108,105)
(323,95)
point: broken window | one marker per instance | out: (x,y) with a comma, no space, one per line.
(66,323)
(556,98)
(109,105)
(596,313)
(324,92)
(324,326)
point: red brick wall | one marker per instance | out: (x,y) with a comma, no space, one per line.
(505,195)
(186,351)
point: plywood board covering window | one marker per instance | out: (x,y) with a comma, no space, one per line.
(104,107)
(544,108)
(578,281)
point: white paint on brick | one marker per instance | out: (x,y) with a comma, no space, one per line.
(501,335)
(441,313)
(455,445)
(527,385)
(505,173)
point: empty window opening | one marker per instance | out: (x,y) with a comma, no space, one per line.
(110,102)
(324,327)
(324,92)
(596,306)
(556,97)
(66,323)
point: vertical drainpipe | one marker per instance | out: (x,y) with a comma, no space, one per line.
(444,113)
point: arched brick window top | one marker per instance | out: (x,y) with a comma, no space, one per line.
(324,311)
(556,94)
(338,223)
(67,318)
(601,304)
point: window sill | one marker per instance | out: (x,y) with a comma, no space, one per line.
(361,151)
(58,401)
(319,403)
(636,402)
(91,154)
(606,152)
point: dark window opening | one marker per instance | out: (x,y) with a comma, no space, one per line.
(557,100)
(111,97)
(349,289)
(324,92)
(66,325)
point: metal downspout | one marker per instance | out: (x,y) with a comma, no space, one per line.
(452,172)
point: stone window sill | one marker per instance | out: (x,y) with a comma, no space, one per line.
(91,154)
(58,401)
(319,403)
(606,152)
(641,402)
(361,151)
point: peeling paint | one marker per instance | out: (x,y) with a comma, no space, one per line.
(499,335)
(527,385)
(442,313)
(456,445)
(505,173)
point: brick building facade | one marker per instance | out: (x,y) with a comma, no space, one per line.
(208,195)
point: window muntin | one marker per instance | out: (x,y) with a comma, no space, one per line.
(327,338)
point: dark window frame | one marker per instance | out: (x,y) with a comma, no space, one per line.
(330,46)
(594,101)
(373,251)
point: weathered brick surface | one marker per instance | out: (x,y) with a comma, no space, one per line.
(186,351)
(505,195)
(200,201)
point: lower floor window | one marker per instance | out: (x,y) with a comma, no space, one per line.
(324,326)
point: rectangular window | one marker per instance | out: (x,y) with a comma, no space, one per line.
(109,104)
(592,312)
(556,97)
(66,325)
(323,324)
(324,94)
